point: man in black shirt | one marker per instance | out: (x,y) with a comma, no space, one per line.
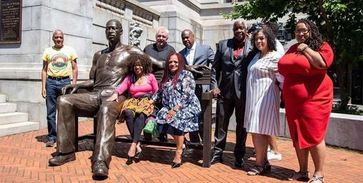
(160,50)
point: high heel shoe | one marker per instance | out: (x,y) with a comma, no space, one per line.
(130,160)
(178,153)
(138,156)
(175,165)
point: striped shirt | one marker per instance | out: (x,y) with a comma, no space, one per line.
(262,95)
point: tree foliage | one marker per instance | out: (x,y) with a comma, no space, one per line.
(339,21)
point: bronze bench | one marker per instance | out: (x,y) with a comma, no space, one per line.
(207,124)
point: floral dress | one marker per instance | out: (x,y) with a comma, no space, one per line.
(186,119)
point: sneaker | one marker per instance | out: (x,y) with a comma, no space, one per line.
(50,143)
(272,155)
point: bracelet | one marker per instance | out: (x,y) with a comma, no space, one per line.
(304,48)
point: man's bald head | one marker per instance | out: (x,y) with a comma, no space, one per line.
(188,38)
(58,38)
(239,30)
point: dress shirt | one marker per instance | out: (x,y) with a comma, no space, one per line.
(190,55)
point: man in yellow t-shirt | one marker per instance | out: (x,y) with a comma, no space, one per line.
(59,63)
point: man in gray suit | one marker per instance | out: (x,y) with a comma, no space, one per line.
(229,86)
(196,54)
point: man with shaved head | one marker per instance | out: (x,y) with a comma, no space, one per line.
(59,63)
(229,86)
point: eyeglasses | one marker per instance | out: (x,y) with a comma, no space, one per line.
(304,31)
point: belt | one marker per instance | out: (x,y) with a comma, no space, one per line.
(58,78)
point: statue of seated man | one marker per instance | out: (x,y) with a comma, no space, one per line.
(107,71)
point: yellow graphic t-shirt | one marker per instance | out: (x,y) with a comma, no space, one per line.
(59,61)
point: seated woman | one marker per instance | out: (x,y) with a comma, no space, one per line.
(141,85)
(180,106)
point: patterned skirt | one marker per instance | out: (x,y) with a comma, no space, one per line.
(139,105)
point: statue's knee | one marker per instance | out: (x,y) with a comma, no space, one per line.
(63,100)
(107,109)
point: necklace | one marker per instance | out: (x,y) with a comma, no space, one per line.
(140,81)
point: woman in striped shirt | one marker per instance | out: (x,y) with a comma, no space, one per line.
(262,97)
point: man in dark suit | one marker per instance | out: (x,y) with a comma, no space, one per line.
(196,54)
(229,86)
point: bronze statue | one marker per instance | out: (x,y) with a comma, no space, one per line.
(107,72)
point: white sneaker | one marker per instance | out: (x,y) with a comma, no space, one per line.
(272,155)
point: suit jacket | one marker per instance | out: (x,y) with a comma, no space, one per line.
(203,55)
(229,74)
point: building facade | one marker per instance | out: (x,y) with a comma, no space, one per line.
(83,23)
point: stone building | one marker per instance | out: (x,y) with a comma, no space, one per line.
(83,23)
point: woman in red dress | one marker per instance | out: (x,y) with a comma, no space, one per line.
(308,95)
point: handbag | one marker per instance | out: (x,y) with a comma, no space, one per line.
(151,128)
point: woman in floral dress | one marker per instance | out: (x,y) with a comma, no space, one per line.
(180,106)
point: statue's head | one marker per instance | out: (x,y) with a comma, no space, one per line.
(113,30)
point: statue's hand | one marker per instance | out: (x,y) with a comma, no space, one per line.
(197,70)
(69,89)
(200,67)
(113,97)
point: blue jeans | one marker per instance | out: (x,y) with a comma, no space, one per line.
(54,89)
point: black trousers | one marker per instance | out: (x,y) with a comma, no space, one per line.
(135,123)
(225,108)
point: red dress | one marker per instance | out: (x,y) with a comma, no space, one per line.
(308,95)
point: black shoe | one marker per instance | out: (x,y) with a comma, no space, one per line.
(163,137)
(238,163)
(50,143)
(137,156)
(267,167)
(61,159)
(216,159)
(130,160)
(148,136)
(175,165)
(100,170)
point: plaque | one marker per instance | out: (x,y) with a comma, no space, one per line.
(10,21)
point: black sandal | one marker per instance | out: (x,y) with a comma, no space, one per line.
(259,170)
(256,170)
(299,176)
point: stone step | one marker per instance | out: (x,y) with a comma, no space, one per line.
(7,107)
(20,127)
(13,117)
(2,98)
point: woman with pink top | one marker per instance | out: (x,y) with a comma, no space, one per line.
(141,84)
